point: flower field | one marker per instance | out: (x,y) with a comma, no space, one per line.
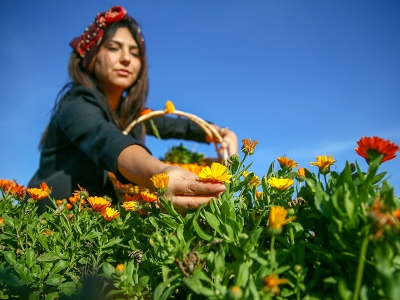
(292,233)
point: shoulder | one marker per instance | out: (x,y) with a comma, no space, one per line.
(82,95)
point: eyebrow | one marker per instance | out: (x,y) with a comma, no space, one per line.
(120,44)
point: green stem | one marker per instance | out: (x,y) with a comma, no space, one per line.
(272,252)
(240,166)
(360,268)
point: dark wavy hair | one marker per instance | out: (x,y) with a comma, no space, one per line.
(134,98)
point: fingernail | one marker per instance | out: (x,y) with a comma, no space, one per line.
(220,188)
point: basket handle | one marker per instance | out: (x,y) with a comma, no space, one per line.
(210,131)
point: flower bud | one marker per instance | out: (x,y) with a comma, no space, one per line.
(235,293)
(43,221)
(298,268)
(119,269)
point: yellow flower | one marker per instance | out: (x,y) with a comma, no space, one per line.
(169,107)
(98,203)
(149,197)
(255,181)
(217,174)
(323,163)
(2,222)
(47,231)
(286,162)
(130,205)
(280,183)
(272,282)
(248,146)
(160,182)
(119,269)
(277,217)
(109,213)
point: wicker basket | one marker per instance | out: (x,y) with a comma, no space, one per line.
(213,135)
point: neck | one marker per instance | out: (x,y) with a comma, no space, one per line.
(114,99)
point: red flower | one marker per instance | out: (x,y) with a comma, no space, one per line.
(372,147)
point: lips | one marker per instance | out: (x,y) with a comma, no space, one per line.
(123,72)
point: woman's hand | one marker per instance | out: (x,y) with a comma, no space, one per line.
(229,142)
(187,193)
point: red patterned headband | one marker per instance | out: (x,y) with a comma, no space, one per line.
(86,44)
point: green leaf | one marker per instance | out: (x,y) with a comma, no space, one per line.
(212,221)
(34,295)
(108,269)
(52,296)
(54,279)
(169,208)
(113,241)
(200,232)
(8,220)
(242,275)
(93,234)
(30,257)
(163,285)
(253,240)
(10,257)
(68,288)
(60,265)
(48,257)
(43,241)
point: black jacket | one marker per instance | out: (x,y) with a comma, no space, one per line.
(83,143)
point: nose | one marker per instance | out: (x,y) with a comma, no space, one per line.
(125,57)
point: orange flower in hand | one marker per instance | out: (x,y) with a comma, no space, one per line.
(371,147)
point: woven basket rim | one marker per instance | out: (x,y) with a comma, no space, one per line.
(210,131)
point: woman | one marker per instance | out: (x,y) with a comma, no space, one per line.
(108,89)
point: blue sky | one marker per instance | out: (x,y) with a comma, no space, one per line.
(303,77)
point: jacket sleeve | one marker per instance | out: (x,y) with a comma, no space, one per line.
(85,120)
(176,128)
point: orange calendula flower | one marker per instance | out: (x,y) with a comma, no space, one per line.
(301,172)
(396,213)
(217,174)
(149,197)
(272,282)
(145,111)
(41,193)
(134,197)
(1,222)
(98,203)
(323,163)
(248,146)
(160,182)
(130,205)
(277,217)
(47,232)
(169,107)
(280,183)
(109,213)
(372,147)
(259,194)
(285,162)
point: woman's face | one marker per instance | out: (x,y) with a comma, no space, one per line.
(117,62)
